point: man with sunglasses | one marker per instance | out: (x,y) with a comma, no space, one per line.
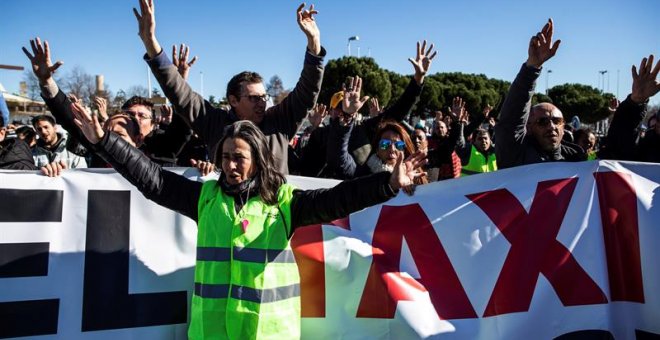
(529,134)
(245,92)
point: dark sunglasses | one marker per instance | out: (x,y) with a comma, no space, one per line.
(545,121)
(384,144)
(256,99)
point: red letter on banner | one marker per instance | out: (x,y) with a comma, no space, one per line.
(307,246)
(535,249)
(618,211)
(386,286)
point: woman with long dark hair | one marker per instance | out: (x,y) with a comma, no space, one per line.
(246,278)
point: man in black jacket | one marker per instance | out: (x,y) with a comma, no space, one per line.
(526,134)
(245,92)
(622,134)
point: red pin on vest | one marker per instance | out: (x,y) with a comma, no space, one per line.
(244,225)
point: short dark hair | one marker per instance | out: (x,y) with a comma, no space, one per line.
(268,177)
(480,131)
(26,133)
(235,85)
(137,100)
(40,118)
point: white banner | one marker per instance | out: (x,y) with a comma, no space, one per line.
(542,251)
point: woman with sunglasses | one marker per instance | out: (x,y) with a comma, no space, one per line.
(390,141)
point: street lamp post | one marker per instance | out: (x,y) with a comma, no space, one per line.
(602,80)
(547,77)
(356,38)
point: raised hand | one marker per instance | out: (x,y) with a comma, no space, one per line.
(147,27)
(422,61)
(53,169)
(204,167)
(613,105)
(102,105)
(307,24)
(458,108)
(486,111)
(352,102)
(317,115)
(645,83)
(405,171)
(181,61)
(88,123)
(374,107)
(42,67)
(541,47)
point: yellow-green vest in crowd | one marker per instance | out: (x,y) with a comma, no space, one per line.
(247,284)
(592,156)
(478,163)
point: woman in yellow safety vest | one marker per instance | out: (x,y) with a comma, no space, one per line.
(246,278)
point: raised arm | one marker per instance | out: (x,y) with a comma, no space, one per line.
(510,129)
(163,187)
(621,136)
(404,104)
(287,116)
(58,103)
(190,106)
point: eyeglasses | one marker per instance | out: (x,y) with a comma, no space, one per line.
(384,144)
(258,98)
(138,114)
(545,121)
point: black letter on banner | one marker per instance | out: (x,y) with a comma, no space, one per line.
(106,301)
(34,317)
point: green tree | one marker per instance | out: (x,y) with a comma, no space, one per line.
(586,102)
(375,81)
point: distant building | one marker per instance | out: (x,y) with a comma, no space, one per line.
(22,108)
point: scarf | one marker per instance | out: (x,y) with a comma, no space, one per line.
(376,165)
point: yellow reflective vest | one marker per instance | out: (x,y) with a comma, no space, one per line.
(247,284)
(479,163)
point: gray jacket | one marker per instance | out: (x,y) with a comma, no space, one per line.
(514,146)
(279,124)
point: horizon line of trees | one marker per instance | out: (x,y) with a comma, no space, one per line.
(588,103)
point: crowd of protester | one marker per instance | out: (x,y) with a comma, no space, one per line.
(384,150)
(337,141)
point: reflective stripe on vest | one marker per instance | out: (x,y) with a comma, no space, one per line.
(245,255)
(478,163)
(221,291)
(247,284)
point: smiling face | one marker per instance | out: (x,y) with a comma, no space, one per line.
(46,132)
(251,103)
(237,161)
(546,124)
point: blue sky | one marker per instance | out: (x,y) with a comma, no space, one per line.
(488,37)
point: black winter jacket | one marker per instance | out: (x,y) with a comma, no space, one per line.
(182,195)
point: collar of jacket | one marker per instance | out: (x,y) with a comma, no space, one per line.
(60,139)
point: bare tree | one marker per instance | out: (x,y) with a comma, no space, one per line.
(79,83)
(33,89)
(275,88)
(137,90)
